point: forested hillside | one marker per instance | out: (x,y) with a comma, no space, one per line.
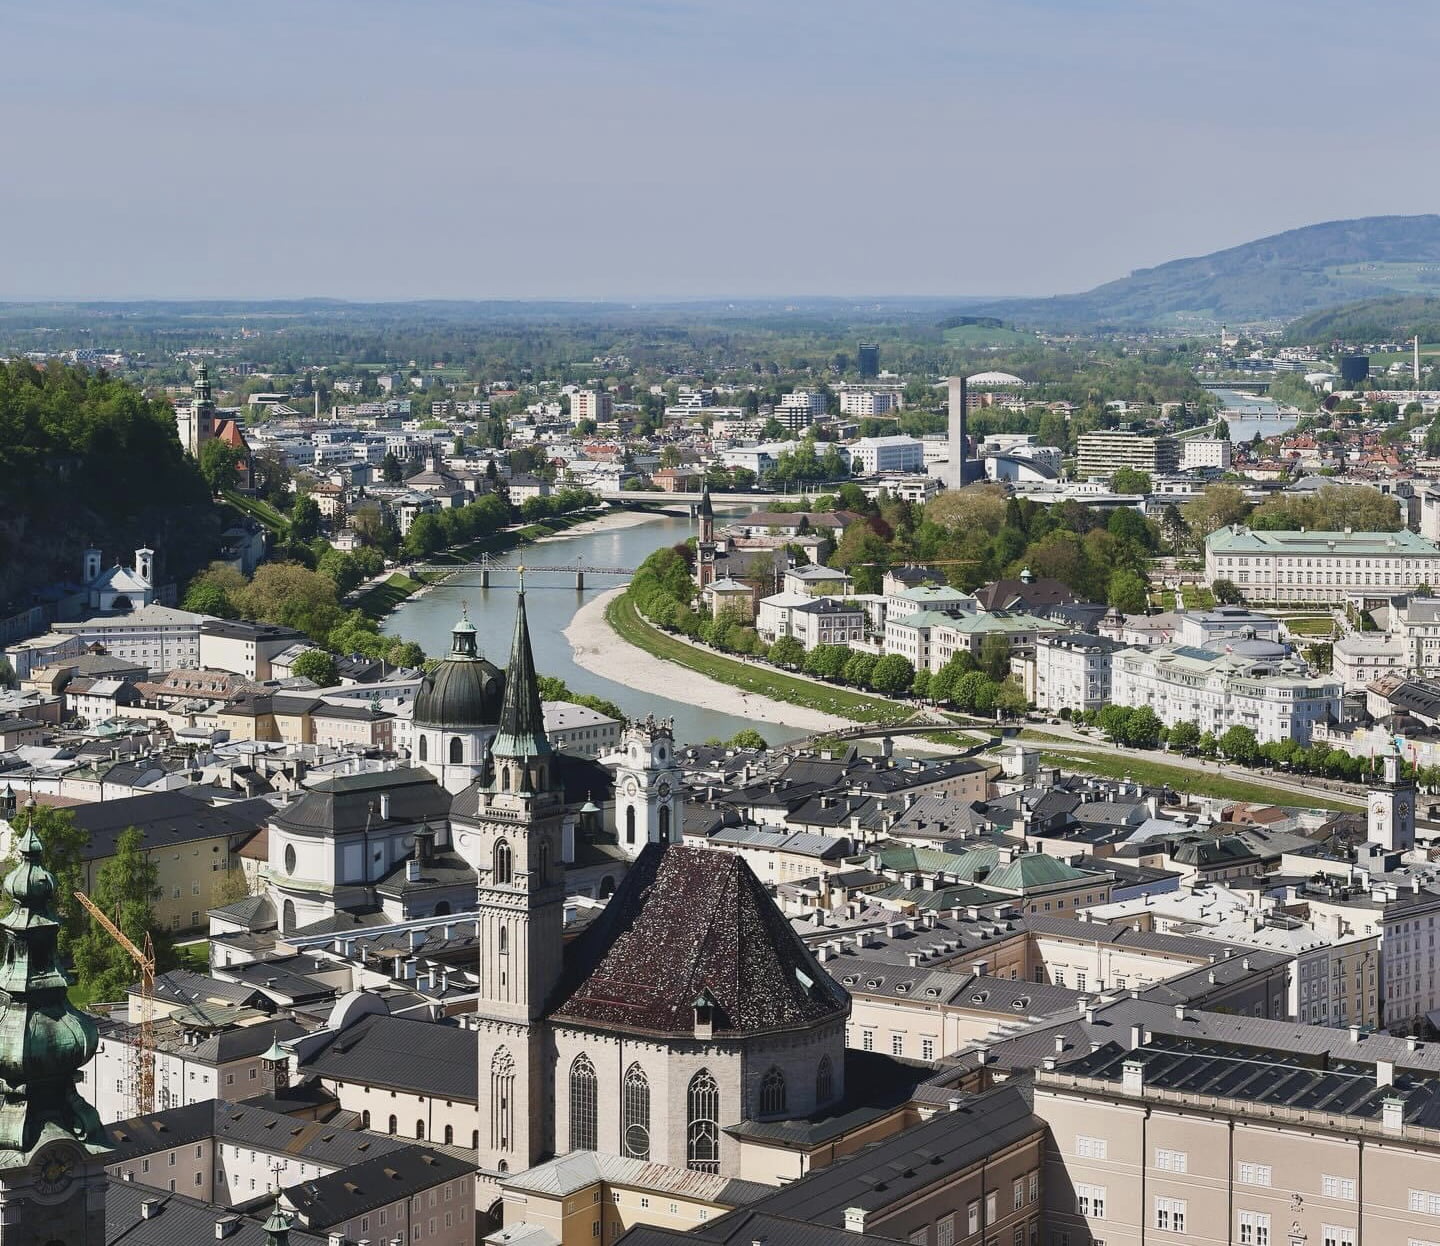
(87,459)
(1370,320)
(1278,277)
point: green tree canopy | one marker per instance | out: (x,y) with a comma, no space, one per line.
(318,667)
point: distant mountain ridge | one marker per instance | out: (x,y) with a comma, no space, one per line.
(1279,277)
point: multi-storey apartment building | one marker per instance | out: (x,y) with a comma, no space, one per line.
(1072,670)
(1269,692)
(1291,568)
(1155,1140)
(1106,451)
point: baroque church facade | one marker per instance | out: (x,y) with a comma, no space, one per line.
(687,1006)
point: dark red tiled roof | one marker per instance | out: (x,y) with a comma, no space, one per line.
(686,922)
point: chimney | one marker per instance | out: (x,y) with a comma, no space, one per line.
(417,939)
(1412,1043)
(225,1226)
(412,875)
(1059,1044)
(1384,1074)
(1179,1012)
(1132,1078)
(855,1220)
(384,806)
(1354,1033)
(1137,1036)
(1392,1113)
(149,1208)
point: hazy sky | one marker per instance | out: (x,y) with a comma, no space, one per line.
(689,148)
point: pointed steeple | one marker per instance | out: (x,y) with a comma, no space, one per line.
(277,1227)
(43,1040)
(707,511)
(522,719)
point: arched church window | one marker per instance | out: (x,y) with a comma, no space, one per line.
(502,1100)
(504,778)
(824,1082)
(394,1124)
(635,1118)
(542,863)
(664,824)
(457,751)
(287,917)
(504,863)
(772,1093)
(449,1134)
(629,824)
(584,1111)
(424,749)
(420,1129)
(702,1131)
(504,945)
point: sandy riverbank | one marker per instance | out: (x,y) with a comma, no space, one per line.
(597,648)
(608,522)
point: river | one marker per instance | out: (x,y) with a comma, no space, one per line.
(551,600)
(1248,414)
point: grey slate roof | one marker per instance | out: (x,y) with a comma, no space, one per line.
(426,1057)
(325,1201)
(165,819)
(887,1173)
(179,1221)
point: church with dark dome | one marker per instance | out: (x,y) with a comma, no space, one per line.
(457,711)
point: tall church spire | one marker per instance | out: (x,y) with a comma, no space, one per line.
(522,719)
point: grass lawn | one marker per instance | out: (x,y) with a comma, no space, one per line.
(985,335)
(1194,781)
(195,956)
(377,602)
(257,509)
(1194,597)
(1310,627)
(858,706)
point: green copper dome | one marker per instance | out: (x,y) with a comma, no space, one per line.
(44,1042)
(464,691)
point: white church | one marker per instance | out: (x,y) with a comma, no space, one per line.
(687,1006)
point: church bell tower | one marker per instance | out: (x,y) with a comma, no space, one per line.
(516,831)
(1392,809)
(649,799)
(52,1145)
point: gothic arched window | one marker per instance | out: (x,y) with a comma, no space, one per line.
(287,917)
(824,1082)
(664,824)
(502,1100)
(457,750)
(702,1130)
(504,862)
(424,749)
(420,1129)
(394,1124)
(772,1093)
(542,862)
(584,1110)
(449,1134)
(635,1114)
(504,944)
(629,824)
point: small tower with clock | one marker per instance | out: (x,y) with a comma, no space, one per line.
(1392,809)
(649,798)
(52,1145)
(705,547)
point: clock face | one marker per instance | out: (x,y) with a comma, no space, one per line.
(631,787)
(1378,808)
(664,790)
(55,1170)
(1404,809)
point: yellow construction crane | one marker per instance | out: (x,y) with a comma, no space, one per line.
(144,1075)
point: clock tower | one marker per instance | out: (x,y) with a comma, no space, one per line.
(1392,810)
(649,800)
(52,1145)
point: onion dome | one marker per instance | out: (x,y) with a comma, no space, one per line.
(43,1040)
(464,691)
